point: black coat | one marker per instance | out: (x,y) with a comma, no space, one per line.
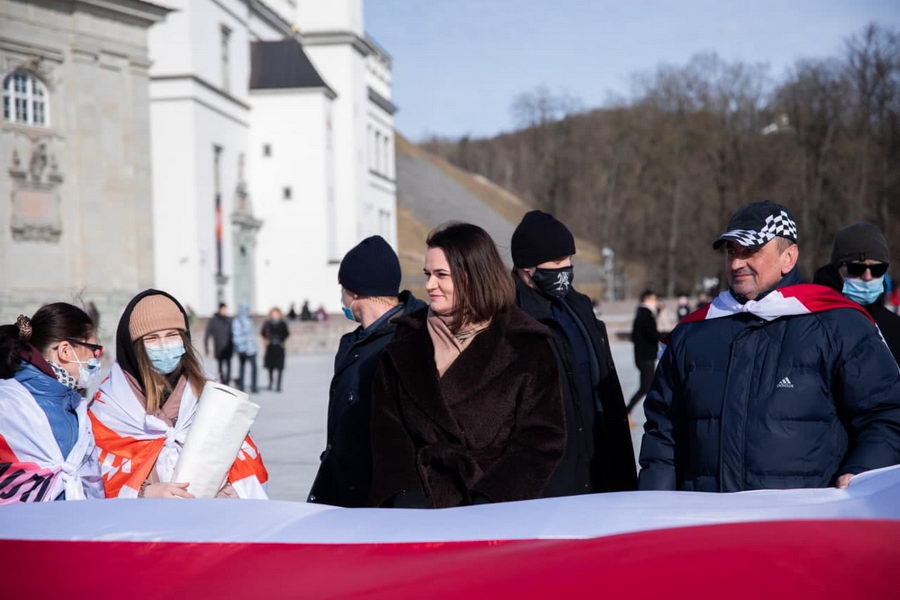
(219,330)
(645,335)
(598,460)
(345,471)
(491,429)
(275,333)
(888,322)
(741,403)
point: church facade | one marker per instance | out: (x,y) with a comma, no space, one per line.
(222,150)
(75,183)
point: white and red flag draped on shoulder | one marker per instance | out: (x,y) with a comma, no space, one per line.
(807,543)
(799,299)
(131,442)
(791,300)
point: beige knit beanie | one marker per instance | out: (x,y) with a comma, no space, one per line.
(154,313)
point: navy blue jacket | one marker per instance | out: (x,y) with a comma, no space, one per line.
(345,473)
(740,403)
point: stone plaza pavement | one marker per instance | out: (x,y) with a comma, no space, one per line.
(290,428)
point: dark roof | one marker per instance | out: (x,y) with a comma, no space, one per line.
(282,64)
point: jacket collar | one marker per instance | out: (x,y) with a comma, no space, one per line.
(490,355)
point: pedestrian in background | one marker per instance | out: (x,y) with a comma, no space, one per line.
(305,314)
(858,268)
(684,307)
(218,329)
(369,277)
(775,384)
(466,400)
(46,363)
(599,456)
(275,332)
(243,336)
(645,336)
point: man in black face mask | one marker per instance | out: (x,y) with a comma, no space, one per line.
(599,455)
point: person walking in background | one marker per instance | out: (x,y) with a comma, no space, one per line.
(143,412)
(369,277)
(305,314)
(243,336)
(275,333)
(858,268)
(46,363)
(218,329)
(775,384)
(684,308)
(292,313)
(645,337)
(467,407)
(599,456)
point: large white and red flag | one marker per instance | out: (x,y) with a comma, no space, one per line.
(810,543)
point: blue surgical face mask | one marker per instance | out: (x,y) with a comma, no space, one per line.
(87,372)
(863,292)
(165,357)
(347,312)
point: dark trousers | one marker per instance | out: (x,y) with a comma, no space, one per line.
(244,359)
(224,370)
(277,373)
(646,368)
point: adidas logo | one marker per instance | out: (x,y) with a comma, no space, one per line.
(785,383)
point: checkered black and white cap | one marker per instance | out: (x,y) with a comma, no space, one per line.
(753,225)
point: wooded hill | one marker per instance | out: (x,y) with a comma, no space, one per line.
(655,177)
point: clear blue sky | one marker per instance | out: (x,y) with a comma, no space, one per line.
(458,64)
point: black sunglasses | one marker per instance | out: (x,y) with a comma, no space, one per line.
(857,269)
(97,349)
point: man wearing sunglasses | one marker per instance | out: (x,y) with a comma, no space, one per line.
(859,262)
(776,383)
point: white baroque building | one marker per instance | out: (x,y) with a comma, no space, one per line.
(272,149)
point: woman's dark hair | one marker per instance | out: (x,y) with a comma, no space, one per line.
(51,323)
(481,282)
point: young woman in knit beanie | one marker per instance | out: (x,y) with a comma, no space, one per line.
(47,451)
(143,411)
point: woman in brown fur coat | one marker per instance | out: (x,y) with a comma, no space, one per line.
(467,402)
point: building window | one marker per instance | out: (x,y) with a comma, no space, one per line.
(287,193)
(267,149)
(25,99)
(225,40)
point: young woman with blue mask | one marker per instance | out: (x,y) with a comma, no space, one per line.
(143,411)
(47,450)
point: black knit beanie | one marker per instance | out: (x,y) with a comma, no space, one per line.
(540,238)
(859,242)
(371,268)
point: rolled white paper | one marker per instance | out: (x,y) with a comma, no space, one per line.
(222,421)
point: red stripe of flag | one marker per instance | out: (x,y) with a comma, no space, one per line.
(771,560)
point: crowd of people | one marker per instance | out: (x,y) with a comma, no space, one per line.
(499,386)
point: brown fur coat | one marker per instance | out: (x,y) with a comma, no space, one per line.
(492,428)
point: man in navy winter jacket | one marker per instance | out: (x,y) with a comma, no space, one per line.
(775,384)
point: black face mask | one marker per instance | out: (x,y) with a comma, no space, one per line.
(554,282)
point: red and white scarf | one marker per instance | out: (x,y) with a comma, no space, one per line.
(799,299)
(791,300)
(132,442)
(32,467)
